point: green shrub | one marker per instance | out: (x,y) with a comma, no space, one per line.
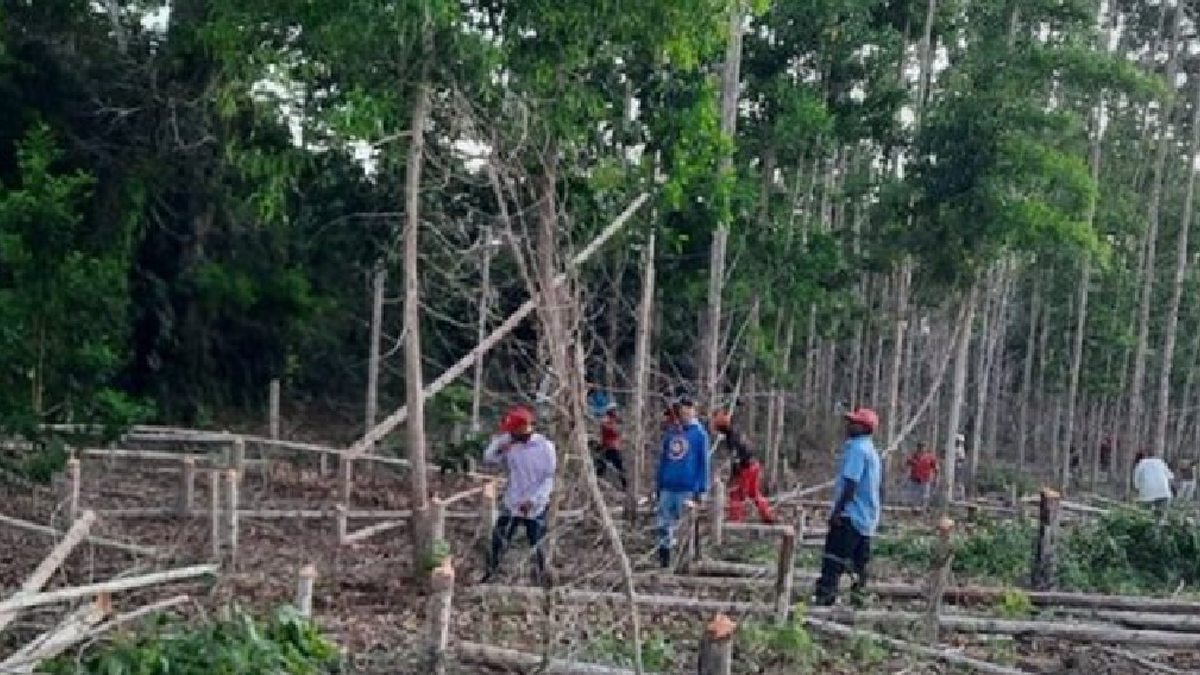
(1001,479)
(284,644)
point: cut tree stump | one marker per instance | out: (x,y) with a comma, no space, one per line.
(304,589)
(441,599)
(716,647)
(939,579)
(785,575)
(1045,555)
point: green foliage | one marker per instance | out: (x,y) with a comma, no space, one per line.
(1015,604)
(658,651)
(436,555)
(768,644)
(285,643)
(63,295)
(1001,479)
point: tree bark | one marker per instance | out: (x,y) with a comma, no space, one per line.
(378,287)
(638,413)
(961,361)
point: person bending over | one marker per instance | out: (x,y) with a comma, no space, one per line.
(744,478)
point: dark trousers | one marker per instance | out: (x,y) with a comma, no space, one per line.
(846,550)
(613,457)
(502,534)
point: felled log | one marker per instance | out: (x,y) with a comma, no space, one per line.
(1169,622)
(52,562)
(513,660)
(440,601)
(70,631)
(136,614)
(716,647)
(665,602)
(1058,628)
(99,541)
(949,656)
(113,586)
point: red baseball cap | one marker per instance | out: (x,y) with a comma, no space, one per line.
(516,420)
(864,416)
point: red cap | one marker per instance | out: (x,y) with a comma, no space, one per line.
(865,417)
(516,420)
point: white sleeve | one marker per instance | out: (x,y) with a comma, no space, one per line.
(550,467)
(492,454)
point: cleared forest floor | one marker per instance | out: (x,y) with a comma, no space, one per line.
(370,600)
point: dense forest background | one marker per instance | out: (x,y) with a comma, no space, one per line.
(852,201)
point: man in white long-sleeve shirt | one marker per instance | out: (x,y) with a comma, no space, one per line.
(1152,480)
(529,460)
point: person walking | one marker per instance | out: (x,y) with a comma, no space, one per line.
(609,451)
(854,516)
(744,478)
(682,471)
(1152,480)
(530,461)
(922,472)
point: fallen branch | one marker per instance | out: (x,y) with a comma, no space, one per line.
(52,562)
(99,541)
(70,631)
(662,602)
(947,656)
(511,659)
(499,333)
(136,614)
(113,586)
(1144,662)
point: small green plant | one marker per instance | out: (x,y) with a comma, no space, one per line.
(286,643)
(866,651)
(1015,604)
(658,652)
(787,645)
(437,554)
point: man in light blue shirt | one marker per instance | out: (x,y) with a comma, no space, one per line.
(854,517)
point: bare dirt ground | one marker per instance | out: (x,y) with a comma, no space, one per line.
(369,598)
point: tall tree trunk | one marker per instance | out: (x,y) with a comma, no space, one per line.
(1134,425)
(378,287)
(414,380)
(975,438)
(641,355)
(1081,311)
(1035,309)
(958,396)
(481,329)
(730,85)
(1181,265)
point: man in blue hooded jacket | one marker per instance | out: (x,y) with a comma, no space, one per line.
(682,472)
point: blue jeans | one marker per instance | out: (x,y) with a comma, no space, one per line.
(670,510)
(502,533)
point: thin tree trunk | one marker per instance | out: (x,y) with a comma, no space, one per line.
(1181,265)
(378,287)
(1081,311)
(959,395)
(1137,404)
(1035,309)
(638,414)
(413,377)
(485,297)
(730,85)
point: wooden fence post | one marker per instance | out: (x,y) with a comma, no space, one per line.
(345,479)
(716,514)
(187,487)
(273,411)
(74,487)
(214,512)
(1045,555)
(939,578)
(304,590)
(716,647)
(231,516)
(440,603)
(237,458)
(785,573)
(343,527)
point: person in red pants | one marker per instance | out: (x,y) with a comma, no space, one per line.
(743,483)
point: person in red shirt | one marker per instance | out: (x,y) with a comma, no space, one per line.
(609,451)
(922,472)
(743,481)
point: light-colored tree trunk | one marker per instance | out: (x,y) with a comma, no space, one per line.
(413,378)
(1135,424)
(485,301)
(730,85)
(378,286)
(958,397)
(1181,267)
(639,415)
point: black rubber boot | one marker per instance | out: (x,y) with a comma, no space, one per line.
(664,557)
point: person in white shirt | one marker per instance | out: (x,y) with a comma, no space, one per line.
(1152,480)
(530,461)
